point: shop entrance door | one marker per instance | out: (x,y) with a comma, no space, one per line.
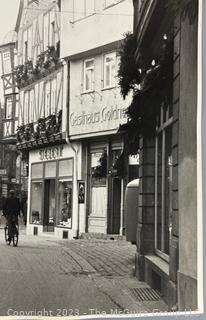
(49,205)
(116,206)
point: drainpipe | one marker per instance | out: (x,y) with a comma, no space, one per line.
(76,150)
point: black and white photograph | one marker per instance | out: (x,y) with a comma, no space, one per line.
(101,182)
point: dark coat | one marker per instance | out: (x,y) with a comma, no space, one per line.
(11,207)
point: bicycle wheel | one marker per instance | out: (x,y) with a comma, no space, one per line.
(15,237)
(8,241)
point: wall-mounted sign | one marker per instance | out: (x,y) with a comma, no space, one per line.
(3,172)
(81,195)
(134,159)
(106,114)
(51,153)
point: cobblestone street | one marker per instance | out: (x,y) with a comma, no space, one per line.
(81,276)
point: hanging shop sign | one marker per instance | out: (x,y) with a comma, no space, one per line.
(81,195)
(51,153)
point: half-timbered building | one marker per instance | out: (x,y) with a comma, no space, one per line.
(10,171)
(42,132)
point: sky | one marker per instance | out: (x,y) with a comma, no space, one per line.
(8,15)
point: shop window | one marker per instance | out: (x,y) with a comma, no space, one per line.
(66,168)
(109,70)
(99,168)
(36,202)
(163,185)
(65,191)
(37,171)
(88,75)
(98,183)
(50,169)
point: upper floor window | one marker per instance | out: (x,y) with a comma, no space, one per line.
(47,98)
(89,75)
(27,44)
(109,70)
(8,108)
(6,62)
(108,3)
(82,8)
(50,97)
(51,31)
(46,31)
(29,114)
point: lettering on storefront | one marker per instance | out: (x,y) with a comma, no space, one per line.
(51,153)
(106,114)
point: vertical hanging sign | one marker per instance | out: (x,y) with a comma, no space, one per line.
(81,195)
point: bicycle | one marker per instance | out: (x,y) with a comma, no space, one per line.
(15,233)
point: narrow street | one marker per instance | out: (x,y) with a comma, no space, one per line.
(52,277)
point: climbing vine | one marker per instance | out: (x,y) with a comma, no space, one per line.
(152,89)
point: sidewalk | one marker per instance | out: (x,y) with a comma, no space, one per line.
(110,263)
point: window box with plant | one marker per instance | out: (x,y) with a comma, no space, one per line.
(46,63)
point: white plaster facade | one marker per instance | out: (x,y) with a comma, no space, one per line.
(91,32)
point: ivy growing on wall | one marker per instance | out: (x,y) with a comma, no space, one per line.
(152,88)
(151,83)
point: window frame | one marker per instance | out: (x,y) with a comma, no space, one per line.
(161,130)
(5,62)
(10,108)
(85,70)
(112,79)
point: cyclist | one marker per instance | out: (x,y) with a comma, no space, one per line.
(11,210)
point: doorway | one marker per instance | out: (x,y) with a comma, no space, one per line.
(49,205)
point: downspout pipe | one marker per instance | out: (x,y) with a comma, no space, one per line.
(76,150)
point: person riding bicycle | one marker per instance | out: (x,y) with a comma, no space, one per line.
(11,210)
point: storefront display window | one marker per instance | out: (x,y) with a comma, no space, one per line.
(98,183)
(37,171)
(65,168)
(65,203)
(52,192)
(99,168)
(36,202)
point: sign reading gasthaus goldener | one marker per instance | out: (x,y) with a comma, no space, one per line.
(105,115)
(99,119)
